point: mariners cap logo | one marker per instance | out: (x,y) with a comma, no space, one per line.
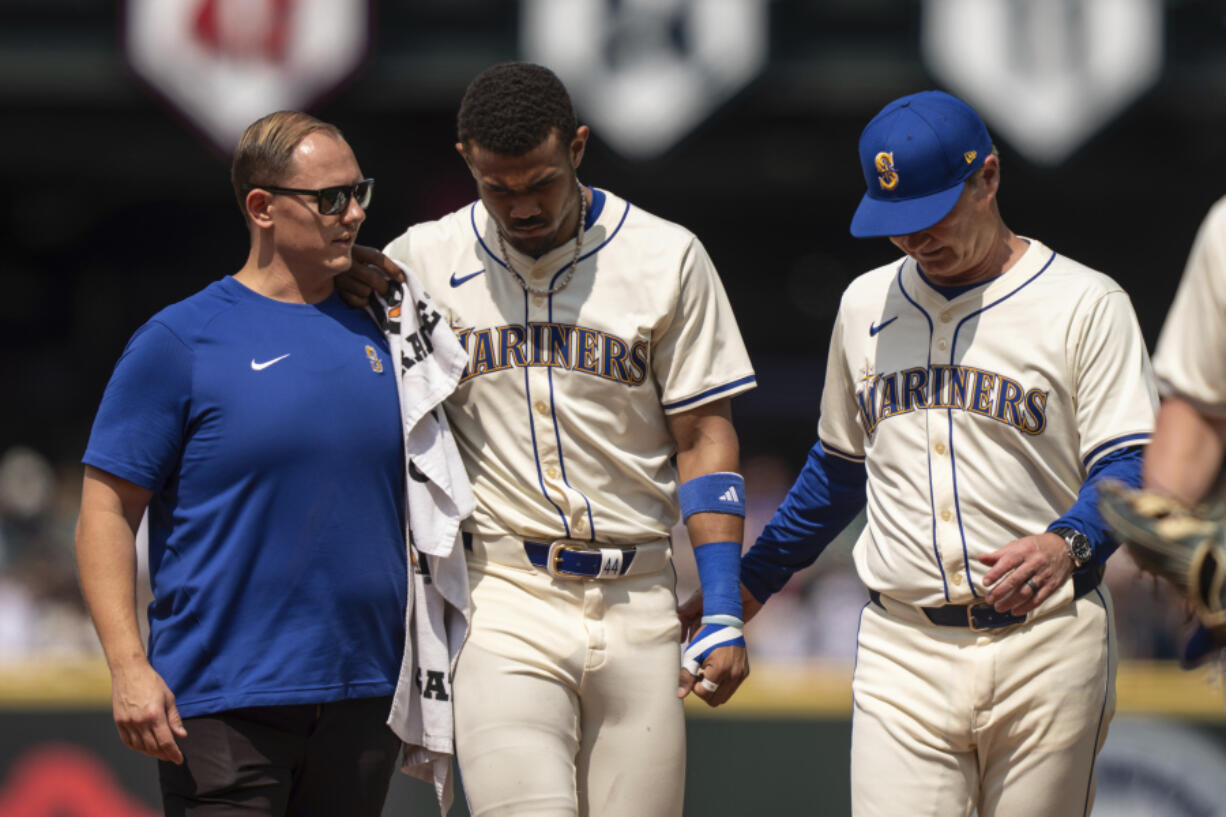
(887,176)
(970,156)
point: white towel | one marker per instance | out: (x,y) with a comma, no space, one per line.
(429,361)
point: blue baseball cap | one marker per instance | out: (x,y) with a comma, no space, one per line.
(915,154)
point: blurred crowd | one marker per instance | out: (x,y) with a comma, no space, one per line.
(813,618)
(41,610)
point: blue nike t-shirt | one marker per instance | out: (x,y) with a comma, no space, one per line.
(270,435)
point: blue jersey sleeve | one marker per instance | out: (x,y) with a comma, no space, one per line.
(139,429)
(1123,465)
(827,495)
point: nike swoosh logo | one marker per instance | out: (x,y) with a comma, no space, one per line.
(875,328)
(259,367)
(455,282)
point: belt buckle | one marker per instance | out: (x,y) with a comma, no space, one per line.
(995,620)
(554,560)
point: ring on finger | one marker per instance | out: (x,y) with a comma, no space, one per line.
(1034,588)
(708,684)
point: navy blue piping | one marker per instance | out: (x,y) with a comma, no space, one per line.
(599,198)
(1106,695)
(536,454)
(553,411)
(1145,435)
(616,230)
(472,218)
(595,249)
(936,551)
(953,350)
(953,468)
(830,449)
(855,664)
(708,393)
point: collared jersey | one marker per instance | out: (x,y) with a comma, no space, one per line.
(1190,359)
(269,433)
(979,417)
(561,413)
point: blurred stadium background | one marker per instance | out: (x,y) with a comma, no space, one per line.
(737,118)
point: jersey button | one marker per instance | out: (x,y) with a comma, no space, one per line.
(538,300)
(957,577)
(541,407)
(551,472)
(580,525)
(942,345)
(939,448)
(946,516)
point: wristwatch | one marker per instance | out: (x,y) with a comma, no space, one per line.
(1079,548)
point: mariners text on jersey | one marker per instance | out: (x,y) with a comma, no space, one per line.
(965,388)
(558,345)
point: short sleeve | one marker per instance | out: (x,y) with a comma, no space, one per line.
(1115,395)
(1189,360)
(139,430)
(398,248)
(699,355)
(838,428)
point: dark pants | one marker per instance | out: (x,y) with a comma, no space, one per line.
(284,761)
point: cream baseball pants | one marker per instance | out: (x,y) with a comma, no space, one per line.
(566,692)
(1009,721)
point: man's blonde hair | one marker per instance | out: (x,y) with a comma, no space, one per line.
(265,151)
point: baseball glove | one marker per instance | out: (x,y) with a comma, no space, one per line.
(1187,547)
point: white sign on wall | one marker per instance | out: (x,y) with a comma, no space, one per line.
(225,63)
(644,73)
(1045,74)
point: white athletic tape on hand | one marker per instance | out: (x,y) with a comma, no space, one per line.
(708,684)
(727,621)
(721,636)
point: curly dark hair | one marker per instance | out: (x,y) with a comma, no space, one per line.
(511,107)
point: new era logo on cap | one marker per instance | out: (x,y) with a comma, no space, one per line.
(915,155)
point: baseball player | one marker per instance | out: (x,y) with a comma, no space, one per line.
(978,388)
(601,345)
(1185,456)
(1183,462)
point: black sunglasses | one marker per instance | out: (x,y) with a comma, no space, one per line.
(329,200)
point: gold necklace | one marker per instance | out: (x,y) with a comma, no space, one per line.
(574,261)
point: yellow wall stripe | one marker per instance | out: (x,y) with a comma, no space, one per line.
(774,690)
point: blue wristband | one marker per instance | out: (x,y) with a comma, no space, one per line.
(719,571)
(719,492)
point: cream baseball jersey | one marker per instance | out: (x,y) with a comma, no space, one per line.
(1188,360)
(1003,397)
(561,412)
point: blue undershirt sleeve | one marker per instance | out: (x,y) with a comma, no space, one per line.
(1124,465)
(827,495)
